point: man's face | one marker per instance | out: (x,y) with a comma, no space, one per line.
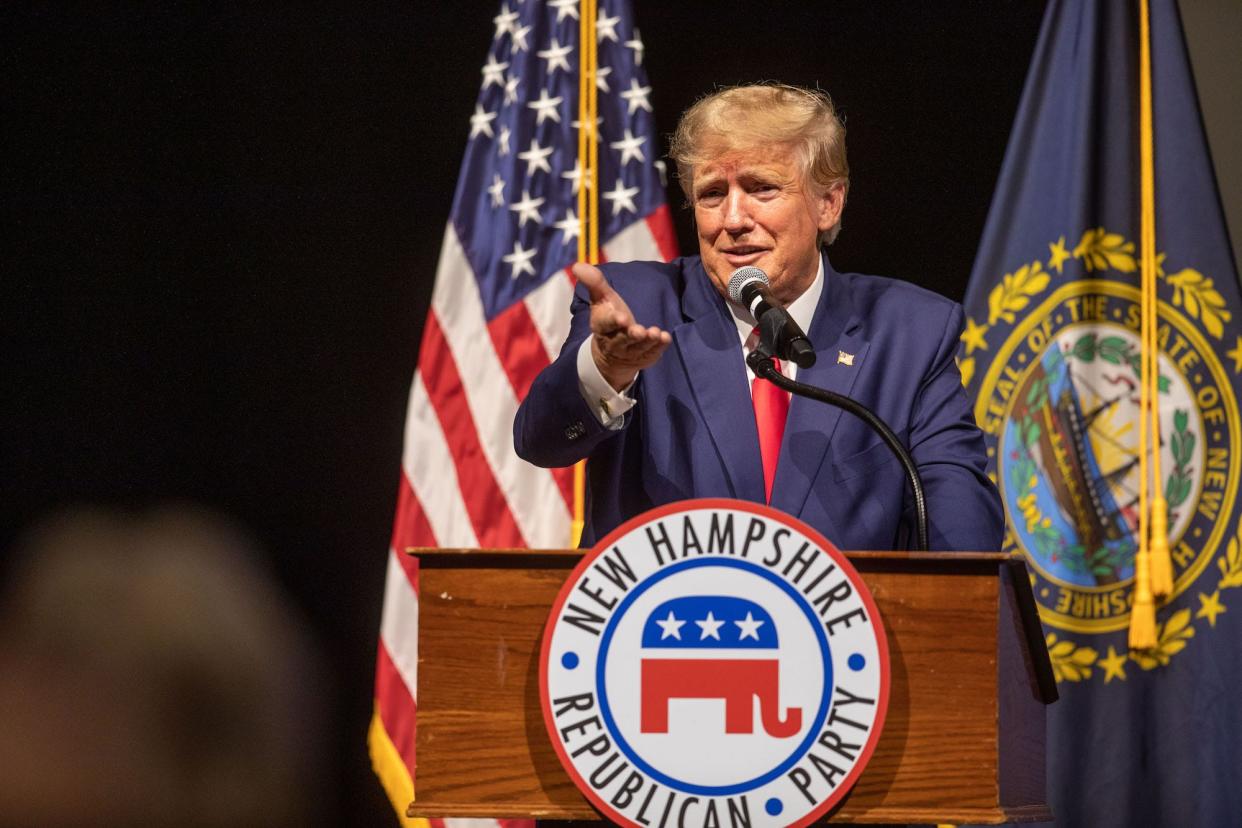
(752,207)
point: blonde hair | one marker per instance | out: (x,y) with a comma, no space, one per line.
(759,115)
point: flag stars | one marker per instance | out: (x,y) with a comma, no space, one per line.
(606,27)
(631,147)
(670,627)
(494,72)
(1210,607)
(1059,255)
(504,21)
(527,209)
(511,85)
(519,260)
(555,55)
(709,627)
(571,228)
(578,176)
(502,142)
(577,124)
(519,39)
(601,78)
(636,44)
(622,198)
(545,107)
(536,158)
(636,97)
(564,8)
(481,122)
(748,627)
(973,337)
(1236,355)
(1113,665)
(497,190)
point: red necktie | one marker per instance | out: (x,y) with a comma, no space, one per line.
(771,409)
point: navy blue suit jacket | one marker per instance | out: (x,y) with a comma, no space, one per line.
(693,434)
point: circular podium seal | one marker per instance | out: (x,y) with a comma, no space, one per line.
(714,662)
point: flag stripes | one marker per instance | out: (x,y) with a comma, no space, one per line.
(395,705)
(499,315)
(489,406)
(431,474)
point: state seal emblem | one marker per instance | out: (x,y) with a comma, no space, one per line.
(714,662)
(1058,402)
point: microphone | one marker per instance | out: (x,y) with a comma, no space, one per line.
(749,287)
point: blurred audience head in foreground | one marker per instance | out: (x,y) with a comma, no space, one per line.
(151,672)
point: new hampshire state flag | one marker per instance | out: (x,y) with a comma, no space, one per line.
(1051,357)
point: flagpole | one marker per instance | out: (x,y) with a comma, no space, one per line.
(1161,566)
(588,204)
(1153,509)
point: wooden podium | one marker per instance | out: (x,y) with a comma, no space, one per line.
(963,740)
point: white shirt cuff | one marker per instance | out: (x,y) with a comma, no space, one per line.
(607,403)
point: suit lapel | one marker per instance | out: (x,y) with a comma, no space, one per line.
(708,346)
(835,329)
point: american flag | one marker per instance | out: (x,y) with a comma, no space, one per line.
(500,312)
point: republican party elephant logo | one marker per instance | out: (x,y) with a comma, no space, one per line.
(714,647)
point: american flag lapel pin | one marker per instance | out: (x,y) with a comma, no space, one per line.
(844,359)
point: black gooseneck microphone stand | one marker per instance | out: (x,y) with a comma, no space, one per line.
(760,361)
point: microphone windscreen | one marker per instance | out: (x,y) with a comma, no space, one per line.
(742,277)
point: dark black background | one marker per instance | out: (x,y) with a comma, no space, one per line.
(223,222)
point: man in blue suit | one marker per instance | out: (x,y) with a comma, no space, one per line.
(652,385)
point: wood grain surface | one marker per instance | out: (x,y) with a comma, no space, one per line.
(483,750)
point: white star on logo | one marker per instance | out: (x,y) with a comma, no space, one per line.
(536,158)
(636,96)
(749,628)
(622,198)
(578,176)
(637,45)
(545,107)
(671,626)
(493,72)
(606,27)
(601,78)
(502,143)
(631,147)
(710,627)
(527,208)
(564,8)
(520,259)
(497,190)
(555,56)
(519,38)
(511,84)
(504,20)
(481,121)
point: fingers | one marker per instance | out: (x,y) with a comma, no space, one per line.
(634,345)
(639,334)
(591,276)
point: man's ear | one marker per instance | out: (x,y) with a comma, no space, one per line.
(828,206)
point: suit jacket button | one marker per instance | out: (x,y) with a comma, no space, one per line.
(575,431)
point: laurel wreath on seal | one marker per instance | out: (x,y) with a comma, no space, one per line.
(1069,661)
(1099,250)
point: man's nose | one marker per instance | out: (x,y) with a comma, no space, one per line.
(737,218)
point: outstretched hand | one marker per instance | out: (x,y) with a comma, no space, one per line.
(621,347)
